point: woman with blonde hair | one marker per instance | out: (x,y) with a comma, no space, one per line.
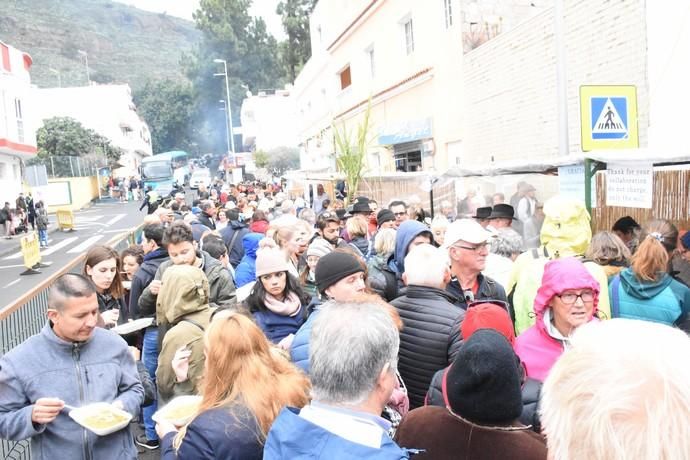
(646,291)
(245,386)
(357,228)
(609,251)
(103,266)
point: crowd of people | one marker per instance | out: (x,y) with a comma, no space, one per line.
(26,212)
(312,328)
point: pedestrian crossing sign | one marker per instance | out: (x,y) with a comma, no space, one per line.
(608,117)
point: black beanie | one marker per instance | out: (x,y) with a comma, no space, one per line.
(384,215)
(483,383)
(333,267)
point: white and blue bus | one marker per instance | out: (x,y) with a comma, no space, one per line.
(163,171)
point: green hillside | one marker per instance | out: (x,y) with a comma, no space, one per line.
(124,44)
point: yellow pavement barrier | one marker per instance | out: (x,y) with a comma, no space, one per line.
(65,219)
(31,253)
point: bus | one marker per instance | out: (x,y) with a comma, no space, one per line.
(163,171)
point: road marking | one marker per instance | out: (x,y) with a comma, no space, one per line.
(88,218)
(60,245)
(115,219)
(13,282)
(121,230)
(11,266)
(85,245)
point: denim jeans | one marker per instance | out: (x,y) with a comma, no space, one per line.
(43,237)
(150,359)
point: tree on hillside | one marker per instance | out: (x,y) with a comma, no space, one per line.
(168,107)
(251,53)
(296,50)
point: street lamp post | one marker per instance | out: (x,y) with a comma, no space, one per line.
(227,126)
(227,106)
(59,77)
(86,61)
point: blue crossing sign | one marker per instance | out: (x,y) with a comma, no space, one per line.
(608,117)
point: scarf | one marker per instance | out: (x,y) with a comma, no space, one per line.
(290,306)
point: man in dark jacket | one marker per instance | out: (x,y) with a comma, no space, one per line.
(467,245)
(232,236)
(208,212)
(430,338)
(154,255)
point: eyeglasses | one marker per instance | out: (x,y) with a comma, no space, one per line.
(569,298)
(477,248)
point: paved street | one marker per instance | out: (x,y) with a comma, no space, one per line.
(95,225)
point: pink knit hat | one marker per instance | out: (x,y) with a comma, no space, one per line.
(560,275)
(270,260)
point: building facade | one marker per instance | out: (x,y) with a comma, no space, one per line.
(17,130)
(452,83)
(268,120)
(108,110)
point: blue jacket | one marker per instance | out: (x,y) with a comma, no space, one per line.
(408,231)
(228,433)
(245,272)
(664,301)
(101,369)
(299,350)
(277,327)
(295,438)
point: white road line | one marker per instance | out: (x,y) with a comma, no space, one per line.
(58,246)
(18,255)
(11,266)
(115,219)
(87,218)
(13,282)
(85,245)
(120,230)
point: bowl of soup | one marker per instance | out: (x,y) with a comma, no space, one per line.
(101,418)
(179,411)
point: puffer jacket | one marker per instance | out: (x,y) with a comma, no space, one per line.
(430,338)
(299,350)
(245,272)
(222,287)
(185,307)
(531,392)
(361,246)
(664,301)
(143,277)
(277,327)
(381,278)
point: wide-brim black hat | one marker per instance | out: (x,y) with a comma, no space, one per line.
(502,211)
(482,213)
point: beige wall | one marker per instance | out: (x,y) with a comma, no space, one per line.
(511,80)
(83,190)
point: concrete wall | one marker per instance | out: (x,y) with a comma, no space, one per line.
(511,80)
(72,193)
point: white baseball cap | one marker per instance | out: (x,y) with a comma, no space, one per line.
(466,230)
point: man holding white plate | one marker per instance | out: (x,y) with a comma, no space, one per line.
(71,363)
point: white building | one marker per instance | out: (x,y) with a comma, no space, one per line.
(108,110)
(17,132)
(268,120)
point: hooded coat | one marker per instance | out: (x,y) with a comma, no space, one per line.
(664,301)
(184,306)
(535,347)
(143,277)
(245,272)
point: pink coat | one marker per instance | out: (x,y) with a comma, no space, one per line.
(535,347)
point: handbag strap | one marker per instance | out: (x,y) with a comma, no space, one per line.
(615,299)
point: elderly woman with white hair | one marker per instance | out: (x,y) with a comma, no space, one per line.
(505,247)
(354,353)
(621,391)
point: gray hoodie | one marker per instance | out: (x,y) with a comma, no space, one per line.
(98,370)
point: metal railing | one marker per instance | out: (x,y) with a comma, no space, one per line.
(26,316)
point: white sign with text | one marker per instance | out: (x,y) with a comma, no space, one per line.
(630,185)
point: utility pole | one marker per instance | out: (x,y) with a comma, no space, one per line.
(86,61)
(227,95)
